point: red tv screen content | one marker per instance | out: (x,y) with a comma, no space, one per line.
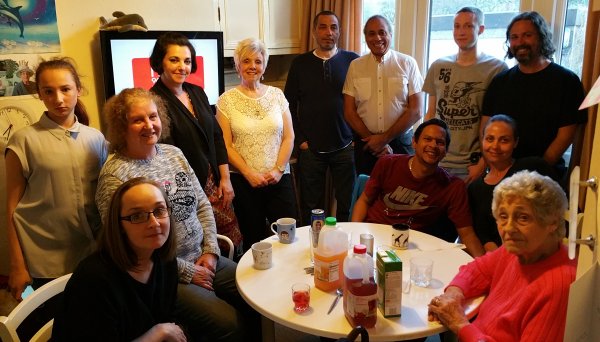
(145,77)
(131,65)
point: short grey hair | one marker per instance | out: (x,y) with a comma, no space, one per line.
(546,197)
(380,17)
(249,46)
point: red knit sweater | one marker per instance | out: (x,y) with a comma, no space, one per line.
(524,302)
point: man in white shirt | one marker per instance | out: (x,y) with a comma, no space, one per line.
(382,97)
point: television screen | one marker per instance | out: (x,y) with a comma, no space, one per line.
(126,61)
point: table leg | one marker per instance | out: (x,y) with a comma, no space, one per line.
(268,329)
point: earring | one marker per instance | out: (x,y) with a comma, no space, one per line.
(262,77)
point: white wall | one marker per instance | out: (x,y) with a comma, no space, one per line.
(592,206)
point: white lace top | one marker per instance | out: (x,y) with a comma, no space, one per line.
(256,126)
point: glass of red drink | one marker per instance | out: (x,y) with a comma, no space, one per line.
(301,296)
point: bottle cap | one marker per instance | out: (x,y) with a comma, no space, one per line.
(330,221)
(360,249)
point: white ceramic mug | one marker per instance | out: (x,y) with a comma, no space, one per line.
(262,253)
(285,229)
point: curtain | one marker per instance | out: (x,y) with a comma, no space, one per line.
(349,12)
(582,147)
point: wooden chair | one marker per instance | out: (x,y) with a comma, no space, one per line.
(9,324)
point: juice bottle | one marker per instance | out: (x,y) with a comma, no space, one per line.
(360,289)
(329,256)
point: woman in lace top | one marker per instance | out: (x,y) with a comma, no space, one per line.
(257,129)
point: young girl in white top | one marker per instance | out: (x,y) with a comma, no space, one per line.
(52,169)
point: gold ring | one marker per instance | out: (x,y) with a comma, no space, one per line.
(436,301)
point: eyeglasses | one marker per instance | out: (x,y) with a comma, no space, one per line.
(144,216)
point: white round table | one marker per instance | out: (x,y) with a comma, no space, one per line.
(269,291)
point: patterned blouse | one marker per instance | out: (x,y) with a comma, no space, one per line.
(256,126)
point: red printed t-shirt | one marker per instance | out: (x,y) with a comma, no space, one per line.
(398,195)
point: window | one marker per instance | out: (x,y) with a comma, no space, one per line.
(386,8)
(497,15)
(574,35)
(426,26)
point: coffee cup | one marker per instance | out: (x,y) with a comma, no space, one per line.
(285,228)
(262,253)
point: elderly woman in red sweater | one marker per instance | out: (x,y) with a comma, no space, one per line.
(526,280)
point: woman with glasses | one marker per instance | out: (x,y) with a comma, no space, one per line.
(126,290)
(208,302)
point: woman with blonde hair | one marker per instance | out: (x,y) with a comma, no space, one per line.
(259,136)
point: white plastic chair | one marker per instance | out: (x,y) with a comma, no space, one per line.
(229,242)
(9,324)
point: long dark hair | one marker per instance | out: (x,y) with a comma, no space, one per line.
(68,64)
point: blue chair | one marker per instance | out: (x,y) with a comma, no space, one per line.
(359,186)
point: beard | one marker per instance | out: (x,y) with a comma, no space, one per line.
(523,54)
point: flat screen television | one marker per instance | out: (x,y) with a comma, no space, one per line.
(126,61)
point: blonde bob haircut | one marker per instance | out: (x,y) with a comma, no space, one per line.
(247,47)
(116,111)
(546,197)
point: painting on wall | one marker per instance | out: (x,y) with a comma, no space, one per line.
(28,26)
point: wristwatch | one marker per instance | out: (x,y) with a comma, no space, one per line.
(281,168)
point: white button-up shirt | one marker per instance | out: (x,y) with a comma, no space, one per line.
(381,90)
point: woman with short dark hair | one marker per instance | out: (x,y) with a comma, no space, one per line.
(195,130)
(500,138)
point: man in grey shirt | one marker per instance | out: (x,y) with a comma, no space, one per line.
(456,85)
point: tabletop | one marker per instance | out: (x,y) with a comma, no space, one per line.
(269,291)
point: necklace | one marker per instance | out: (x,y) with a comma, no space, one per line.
(190,104)
(410,161)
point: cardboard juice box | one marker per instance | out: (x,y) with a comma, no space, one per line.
(389,283)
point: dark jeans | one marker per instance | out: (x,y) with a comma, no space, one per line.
(313,168)
(219,315)
(365,161)
(253,206)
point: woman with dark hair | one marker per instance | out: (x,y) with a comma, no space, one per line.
(127,289)
(500,137)
(52,169)
(194,128)
(208,302)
